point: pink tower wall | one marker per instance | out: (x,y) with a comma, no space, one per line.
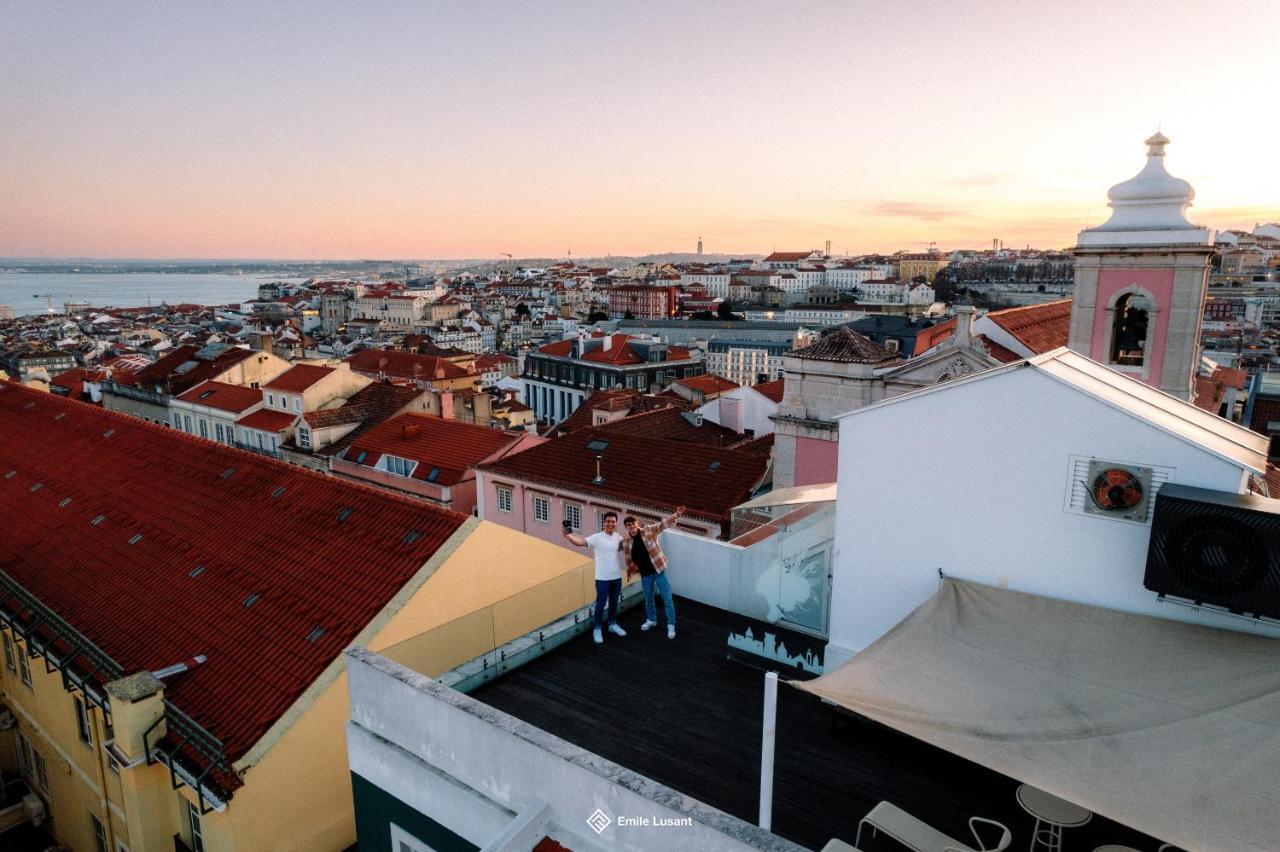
(1157,282)
(816,461)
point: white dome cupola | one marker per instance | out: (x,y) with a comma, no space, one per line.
(1149,208)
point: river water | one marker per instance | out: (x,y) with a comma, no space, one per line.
(31,293)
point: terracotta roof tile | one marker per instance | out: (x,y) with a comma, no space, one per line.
(447,446)
(252,524)
(773,390)
(846,346)
(298,378)
(708,384)
(222,396)
(1000,353)
(375,403)
(397,364)
(671,424)
(266,420)
(1041,328)
(644,471)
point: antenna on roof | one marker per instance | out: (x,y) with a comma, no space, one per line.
(599,480)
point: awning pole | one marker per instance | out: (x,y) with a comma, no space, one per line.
(766,749)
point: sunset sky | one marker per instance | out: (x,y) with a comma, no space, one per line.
(438,130)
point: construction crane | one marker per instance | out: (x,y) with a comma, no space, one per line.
(510,260)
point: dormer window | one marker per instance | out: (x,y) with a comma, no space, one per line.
(1129,330)
(399,466)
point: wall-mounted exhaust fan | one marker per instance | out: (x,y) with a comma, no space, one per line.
(1117,490)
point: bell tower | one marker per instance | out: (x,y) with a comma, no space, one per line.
(1141,279)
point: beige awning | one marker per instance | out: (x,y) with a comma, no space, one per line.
(1170,728)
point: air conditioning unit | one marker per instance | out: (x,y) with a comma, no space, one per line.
(33,807)
(1216,548)
(1117,490)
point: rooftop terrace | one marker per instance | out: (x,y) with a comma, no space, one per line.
(681,714)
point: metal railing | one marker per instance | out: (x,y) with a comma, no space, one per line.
(42,619)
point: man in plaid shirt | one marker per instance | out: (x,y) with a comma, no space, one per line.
(643,554)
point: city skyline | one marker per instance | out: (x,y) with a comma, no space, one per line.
(446,132)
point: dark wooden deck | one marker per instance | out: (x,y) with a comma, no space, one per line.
(680,713)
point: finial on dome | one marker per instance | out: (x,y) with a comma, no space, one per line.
(1155,144)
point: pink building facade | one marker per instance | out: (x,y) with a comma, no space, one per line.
(540,510)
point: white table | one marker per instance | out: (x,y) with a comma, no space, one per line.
(1052,815)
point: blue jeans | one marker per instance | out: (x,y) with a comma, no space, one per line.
(607,590)
(664,588)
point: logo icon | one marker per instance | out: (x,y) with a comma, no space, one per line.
(599,821)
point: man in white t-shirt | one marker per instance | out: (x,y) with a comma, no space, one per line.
(606,546)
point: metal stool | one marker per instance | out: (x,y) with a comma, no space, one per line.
(1052,815)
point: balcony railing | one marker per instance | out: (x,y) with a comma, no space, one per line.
(253,448)
(132,392)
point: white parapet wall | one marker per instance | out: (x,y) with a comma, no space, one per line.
(479,772)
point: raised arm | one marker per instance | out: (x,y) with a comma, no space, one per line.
(575,539)
(669,521)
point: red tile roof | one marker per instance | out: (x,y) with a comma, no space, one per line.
(181,369)
(372,404)
(927,338)
(846,346)
(620,351)
(773,390)
(1000,353)
(450,446)
(787,256)
(644,471)
(397,364)
(254,526)
(222,396)
(298,378)
(266,420)
(672,424)
(709,384)
(1040,328)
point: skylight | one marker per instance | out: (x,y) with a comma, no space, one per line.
(412,535)
(98,520)
(64,502)
(279,491)
(715,465)
(108,433)
(598,445)
(137,537)
(228,472)
(11,474)
(315,634)
(344,513)
(206,394)
(37,486)
(252,599)
(196,571)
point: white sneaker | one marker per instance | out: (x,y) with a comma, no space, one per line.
(597,636)
(647,624)
(616,630)
(671,631)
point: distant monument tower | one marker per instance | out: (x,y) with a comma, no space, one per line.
(1141,278)
(699,246)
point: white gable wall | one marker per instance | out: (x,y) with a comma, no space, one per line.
(753,411)
(984,500)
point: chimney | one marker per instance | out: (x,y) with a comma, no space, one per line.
(964,324)
(599,480)
(446,405)
(608,341)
